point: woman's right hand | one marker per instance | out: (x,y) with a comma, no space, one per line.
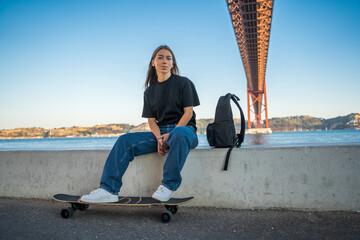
(161,151)
(161,139)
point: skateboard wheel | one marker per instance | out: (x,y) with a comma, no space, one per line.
(172,208)
(166,216)
(67,212)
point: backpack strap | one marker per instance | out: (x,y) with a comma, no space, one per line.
(240,136)
(242,131)
(228,156)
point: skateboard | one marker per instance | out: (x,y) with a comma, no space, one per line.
(75,204)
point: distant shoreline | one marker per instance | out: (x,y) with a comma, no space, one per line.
(4,138)
(283,124)
(108,136)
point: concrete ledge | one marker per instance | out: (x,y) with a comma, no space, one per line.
(303,177)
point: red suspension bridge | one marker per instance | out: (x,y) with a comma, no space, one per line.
(251,20)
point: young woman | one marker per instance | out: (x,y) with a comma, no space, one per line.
(168,105)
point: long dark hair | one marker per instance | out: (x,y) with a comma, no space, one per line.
(151,75)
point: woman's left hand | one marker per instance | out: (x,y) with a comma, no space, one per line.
(163,146)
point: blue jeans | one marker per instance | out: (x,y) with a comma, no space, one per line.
(181,140)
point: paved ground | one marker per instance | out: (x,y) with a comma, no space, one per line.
(40,219)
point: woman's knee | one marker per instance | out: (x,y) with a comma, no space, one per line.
(180,133)
(125,139)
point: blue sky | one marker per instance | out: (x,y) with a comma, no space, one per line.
(82,63)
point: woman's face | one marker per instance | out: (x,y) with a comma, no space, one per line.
(163,62)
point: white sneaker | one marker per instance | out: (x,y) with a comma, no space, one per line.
(100,196)
(163,194)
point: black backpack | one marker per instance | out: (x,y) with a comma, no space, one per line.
(221,133)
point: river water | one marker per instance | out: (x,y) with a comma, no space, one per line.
(308,138)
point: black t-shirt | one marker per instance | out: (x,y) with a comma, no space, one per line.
(165,101)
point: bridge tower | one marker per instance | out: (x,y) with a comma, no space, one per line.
(251,20)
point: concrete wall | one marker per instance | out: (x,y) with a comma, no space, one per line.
(302,177)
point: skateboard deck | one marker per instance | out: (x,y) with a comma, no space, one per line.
(76,204)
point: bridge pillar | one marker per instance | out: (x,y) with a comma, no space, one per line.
(256,107)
